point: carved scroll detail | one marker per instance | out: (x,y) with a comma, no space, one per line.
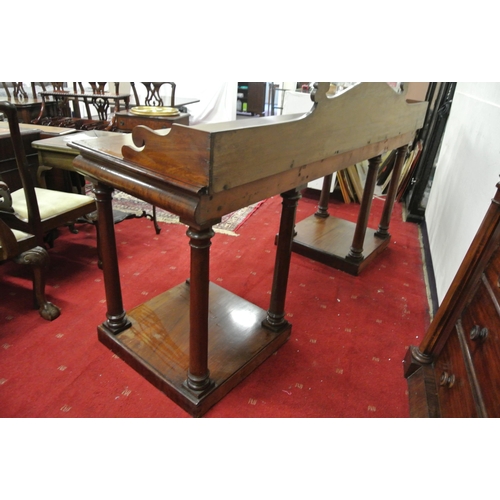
(36,256)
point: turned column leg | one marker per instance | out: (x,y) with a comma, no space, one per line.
(356,251)
(383,228)
(198,377)
(276,314)
(117,320)
(324,198)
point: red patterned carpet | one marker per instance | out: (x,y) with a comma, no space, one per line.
(343,359)
(228,225)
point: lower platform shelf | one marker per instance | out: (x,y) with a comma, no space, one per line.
(328,240)
(157,344)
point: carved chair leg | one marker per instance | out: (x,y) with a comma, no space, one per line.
(50,237)
(38,258)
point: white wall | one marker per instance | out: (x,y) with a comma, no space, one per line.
(217,100)
(467,171)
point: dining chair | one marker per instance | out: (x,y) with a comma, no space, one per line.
(67,107)
(18,91)
(36,210)
(22,248)
(153,97)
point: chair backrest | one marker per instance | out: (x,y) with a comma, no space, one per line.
(5,87)
(34,88)
(66,109)
(153,97)
(8,242)
(18,91)
(10,111)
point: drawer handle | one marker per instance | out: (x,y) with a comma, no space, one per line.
(478,334)
(447,380)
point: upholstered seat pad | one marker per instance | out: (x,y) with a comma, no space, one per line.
(19,235)
(50,202)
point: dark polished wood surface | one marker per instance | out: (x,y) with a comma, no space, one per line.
(329,241)
(344,245)
(455,371)
(44,130)
(202,173)
(156,344)
(28,109)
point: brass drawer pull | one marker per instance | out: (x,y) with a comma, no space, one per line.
(447,380)
(478,334)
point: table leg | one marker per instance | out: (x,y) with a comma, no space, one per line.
(198,377)
(275,319)
(324,198)
(356,251)
(117,320)
(383,228)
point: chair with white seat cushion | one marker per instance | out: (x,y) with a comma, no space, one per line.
(35,210)
(22,248)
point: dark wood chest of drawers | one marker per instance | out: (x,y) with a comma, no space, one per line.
(8,167)
(455,372)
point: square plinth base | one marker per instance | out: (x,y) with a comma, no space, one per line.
(157,344)
(328,240)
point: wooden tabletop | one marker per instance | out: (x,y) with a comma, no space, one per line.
(21,102)
(43,129)
(61,143)
(67,93)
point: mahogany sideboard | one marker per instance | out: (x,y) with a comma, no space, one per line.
(455,371)
(190,341)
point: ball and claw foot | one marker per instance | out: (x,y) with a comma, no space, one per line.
(49,311)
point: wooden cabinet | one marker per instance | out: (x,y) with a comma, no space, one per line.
(8,167)
(252,96)
(453,388)
(455,372)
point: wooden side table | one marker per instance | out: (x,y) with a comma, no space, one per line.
(126,121)
(55,160)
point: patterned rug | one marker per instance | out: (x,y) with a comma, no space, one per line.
(229,225)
